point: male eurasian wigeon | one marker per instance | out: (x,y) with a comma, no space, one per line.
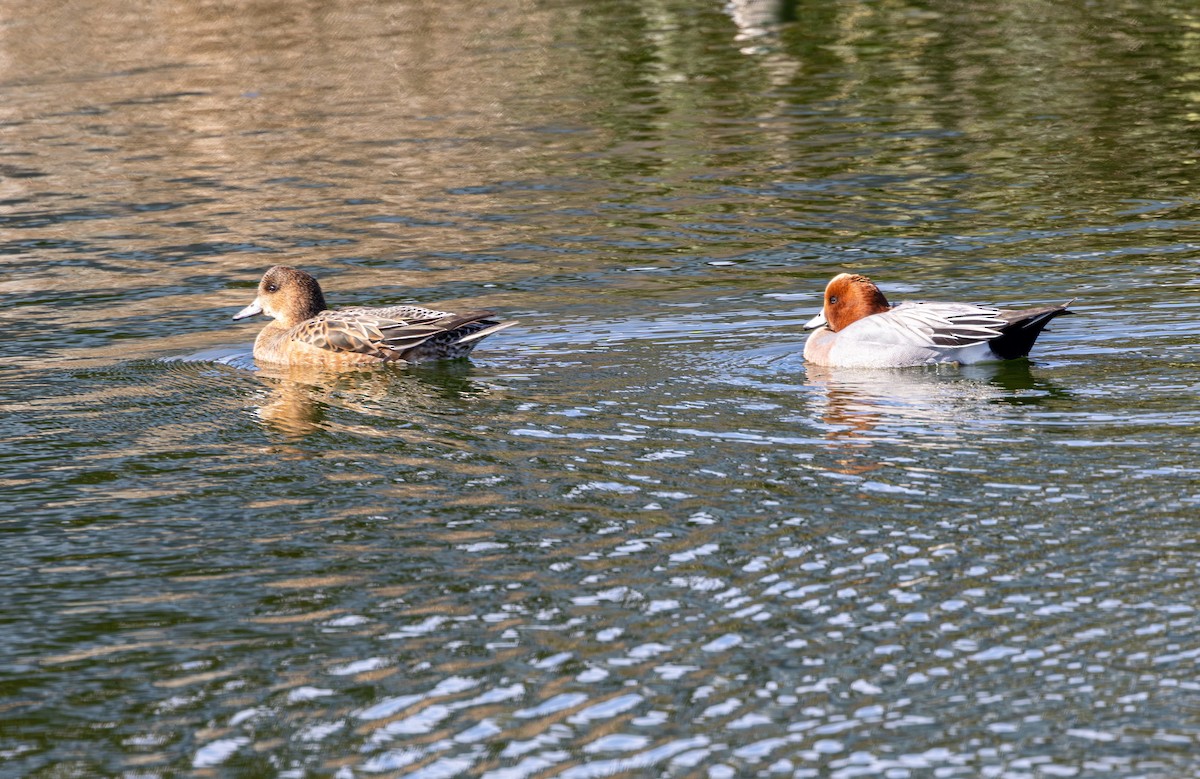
(857,328)
(304,332)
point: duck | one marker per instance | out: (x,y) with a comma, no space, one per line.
(858,328)
(305,331)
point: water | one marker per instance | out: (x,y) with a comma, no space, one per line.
(635,536)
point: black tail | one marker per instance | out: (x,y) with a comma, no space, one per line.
(1016,338)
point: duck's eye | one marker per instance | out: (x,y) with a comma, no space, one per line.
(272,288)
(833,300)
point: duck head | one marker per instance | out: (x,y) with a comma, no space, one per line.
(848,298)
(287,295)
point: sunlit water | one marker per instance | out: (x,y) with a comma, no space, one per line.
(636,536)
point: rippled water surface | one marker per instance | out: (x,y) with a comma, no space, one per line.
(636,536)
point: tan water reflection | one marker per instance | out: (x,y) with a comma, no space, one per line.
(249,131)
(298,397)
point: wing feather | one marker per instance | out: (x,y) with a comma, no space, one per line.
(381,333)
(922,325)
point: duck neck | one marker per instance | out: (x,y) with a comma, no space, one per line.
(313,300)
(303,306)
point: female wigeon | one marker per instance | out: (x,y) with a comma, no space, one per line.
(857,328)
(304,332)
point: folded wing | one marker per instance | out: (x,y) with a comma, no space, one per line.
(925,325)
(406,333)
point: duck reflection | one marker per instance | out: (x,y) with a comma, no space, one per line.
(754,18)
(853,403)
(301,397)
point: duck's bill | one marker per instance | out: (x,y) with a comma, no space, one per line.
(817,321)
(253,309)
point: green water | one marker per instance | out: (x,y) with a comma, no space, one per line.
(635,536)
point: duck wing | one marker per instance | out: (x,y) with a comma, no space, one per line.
(382,333)
(930,325)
